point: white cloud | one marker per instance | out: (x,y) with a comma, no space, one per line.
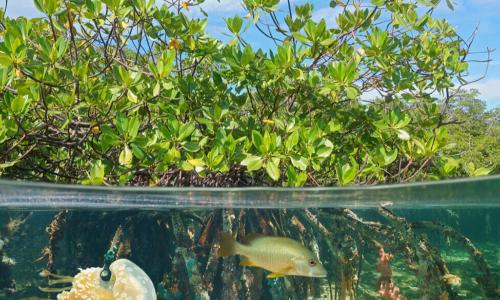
(489,90)
(327,13)
(222,6)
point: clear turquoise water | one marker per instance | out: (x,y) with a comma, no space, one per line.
(432,230)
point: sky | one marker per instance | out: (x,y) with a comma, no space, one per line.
(467,15)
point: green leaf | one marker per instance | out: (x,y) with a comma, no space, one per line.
(300,37)
(5,60)
(125,158)
(96,174)
(191,146)
(299,162)
(272,169)
(131,96)
(121,123)
(61,46)
(471,170)
(325,150)
(295,179)
(334,126)
(185,130)
(402,134)
(8,164)
(4,77)
(482,171)
(156,89)
(137,151)
(133,128)
(186,166)
(252,162)
(351,92)
(292,140)
(257,140)
(234,24)
(3,130)
(267,142)
(384,157)
(346,173)
(447,165)
(18,105)
(327,42)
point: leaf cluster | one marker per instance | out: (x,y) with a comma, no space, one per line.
(99,91)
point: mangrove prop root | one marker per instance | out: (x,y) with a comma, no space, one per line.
(486,278)
(183,282)
(406,233)
(55,233)
(117,237)
(341,248)
(338,235)
(206,230)
(231,272)
(210,271)
(264,227)
(432,266)
(236,176)
(359,232)
(434,269)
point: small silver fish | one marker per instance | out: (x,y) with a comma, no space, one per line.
(282,256)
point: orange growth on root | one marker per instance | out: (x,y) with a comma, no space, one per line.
(385,286)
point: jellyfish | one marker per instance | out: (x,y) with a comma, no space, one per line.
(128,281)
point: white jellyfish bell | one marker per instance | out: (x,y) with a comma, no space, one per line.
(128,279)
(128,282)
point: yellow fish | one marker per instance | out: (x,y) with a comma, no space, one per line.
(282,256)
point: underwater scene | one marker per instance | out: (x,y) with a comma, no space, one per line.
(420,241)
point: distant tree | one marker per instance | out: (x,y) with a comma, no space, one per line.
(474,133)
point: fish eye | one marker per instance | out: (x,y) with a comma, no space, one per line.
(312,262)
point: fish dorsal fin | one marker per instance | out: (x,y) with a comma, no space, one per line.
(249,238)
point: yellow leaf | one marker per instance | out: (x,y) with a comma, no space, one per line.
(196,162)
(174,44)
(95,129)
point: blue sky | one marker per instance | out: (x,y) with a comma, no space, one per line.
(467,15)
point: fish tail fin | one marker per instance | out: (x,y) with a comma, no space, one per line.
(227,244)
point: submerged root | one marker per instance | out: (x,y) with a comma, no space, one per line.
(54,231)
(486,278)
(191,269)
